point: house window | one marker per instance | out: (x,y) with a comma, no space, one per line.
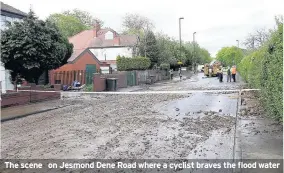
(3,18)
(109,36)
(3,22)
(9,19)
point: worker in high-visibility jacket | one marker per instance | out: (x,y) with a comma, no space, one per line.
(234,72)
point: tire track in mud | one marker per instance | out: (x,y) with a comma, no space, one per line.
(100,127)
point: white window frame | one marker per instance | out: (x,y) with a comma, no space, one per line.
(109,35)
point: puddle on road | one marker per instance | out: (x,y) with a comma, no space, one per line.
(199,103)
(219,144)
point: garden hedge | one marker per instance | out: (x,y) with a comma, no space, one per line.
(135,63)
(263,69)
(165,66)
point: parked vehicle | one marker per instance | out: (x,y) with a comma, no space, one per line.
(214,66)
(206,69)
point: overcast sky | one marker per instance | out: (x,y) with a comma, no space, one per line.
(218,23)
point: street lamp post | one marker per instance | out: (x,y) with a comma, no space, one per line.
(238,43)
(180,41)
(194,60)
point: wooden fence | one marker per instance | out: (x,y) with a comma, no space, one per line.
(67,77)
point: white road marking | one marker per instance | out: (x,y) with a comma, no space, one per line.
(149,92)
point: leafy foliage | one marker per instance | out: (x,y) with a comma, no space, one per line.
(88,88)
(33,46)
(84,17)
(165,66)
(136,63)
(151,48)
(263,69)
(169,52)
(68,25)
(230,55)
(72,22)
(160,48)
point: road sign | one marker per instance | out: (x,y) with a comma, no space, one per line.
(179,63)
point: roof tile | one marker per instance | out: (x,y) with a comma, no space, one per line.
(11,9)
(86,39)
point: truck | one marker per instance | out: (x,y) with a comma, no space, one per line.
(214,66)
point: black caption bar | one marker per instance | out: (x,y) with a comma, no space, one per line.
(141,165)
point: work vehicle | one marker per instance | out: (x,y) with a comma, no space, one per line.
(214,66)
(206,69)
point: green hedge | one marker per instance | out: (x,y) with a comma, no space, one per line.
(263,69)
(136,63)
(165,66)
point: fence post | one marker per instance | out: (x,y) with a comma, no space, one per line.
(69,77)
(84,76)
(77,75)
(63,77)
(55,77)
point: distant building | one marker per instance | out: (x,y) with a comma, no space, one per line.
(8,14)
(96,50)
(103,45)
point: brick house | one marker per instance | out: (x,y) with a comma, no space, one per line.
(96,48)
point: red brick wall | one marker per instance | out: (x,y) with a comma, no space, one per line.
(78,64)
(25,97)
(99,83)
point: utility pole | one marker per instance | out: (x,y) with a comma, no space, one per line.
(180,41)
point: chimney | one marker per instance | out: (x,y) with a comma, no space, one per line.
(116,41)
(96,28)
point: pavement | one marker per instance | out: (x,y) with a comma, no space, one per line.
(159,126)
(257,136)
(14,112)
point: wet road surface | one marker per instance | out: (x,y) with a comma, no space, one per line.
(196,125)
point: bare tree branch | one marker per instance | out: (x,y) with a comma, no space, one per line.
(257,39)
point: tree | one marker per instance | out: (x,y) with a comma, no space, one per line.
(230,55)
(72,22)
(169,52)
(263,69)
(205,56)
(257,39)
(150,48)
(164,44)
(166,50)
(85,17)
(33,46)
(68,25)
(197,54)
(136,23)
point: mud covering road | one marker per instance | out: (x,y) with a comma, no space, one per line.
(164,126)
